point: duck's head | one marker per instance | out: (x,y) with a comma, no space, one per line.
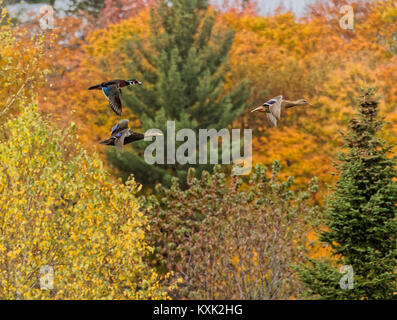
(303,101)
(134,81)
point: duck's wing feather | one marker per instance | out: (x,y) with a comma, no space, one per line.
(114,129)
(134,136)
(120,141)
(272,119)
(113,82)
(96,87)
(117,82)
(108,142)
(113,94)
(275,107)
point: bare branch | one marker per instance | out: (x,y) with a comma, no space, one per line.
(14,97)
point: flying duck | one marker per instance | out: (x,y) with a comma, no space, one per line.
(112,92)
(275,106)
(122,135)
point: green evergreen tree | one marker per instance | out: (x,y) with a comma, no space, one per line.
(360,217)
(183,67)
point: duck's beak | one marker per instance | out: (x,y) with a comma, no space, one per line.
(257,109)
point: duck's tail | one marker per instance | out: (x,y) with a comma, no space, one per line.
(95,87)
(257,109)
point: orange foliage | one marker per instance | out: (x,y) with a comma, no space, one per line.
(83,64)
(314,58)
(310,58)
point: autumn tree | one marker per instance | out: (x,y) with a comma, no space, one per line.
(230,239)
(61,214)
(22,65)
(183,66)
(314,58)
(116,10)
(361,216)
(102,13)
(60,210)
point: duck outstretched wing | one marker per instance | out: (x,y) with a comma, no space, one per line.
(272,119)
(134,136)
(275,106)
(120,140)
(108,142)
(113,94)
(96,87)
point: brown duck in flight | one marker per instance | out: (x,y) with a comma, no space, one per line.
(112,92)
(276,106)
(122,134)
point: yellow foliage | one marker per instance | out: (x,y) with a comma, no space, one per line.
(59,208)
(22,67)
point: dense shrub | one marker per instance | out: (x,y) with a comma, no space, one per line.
(228,239)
